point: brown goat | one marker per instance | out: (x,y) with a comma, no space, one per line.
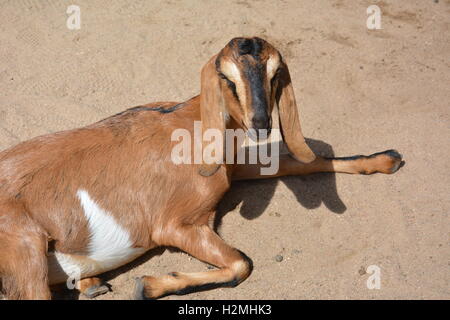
(81,202)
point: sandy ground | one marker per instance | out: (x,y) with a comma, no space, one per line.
(359,91)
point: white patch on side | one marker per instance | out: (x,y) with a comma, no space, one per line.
(109,246)
(61,267)
(110,243)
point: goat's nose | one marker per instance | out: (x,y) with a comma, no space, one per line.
(260,122)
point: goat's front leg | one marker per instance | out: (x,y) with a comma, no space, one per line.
(384,162)
(204,244)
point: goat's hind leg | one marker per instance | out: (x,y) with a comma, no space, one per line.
(23,260)
(204,244)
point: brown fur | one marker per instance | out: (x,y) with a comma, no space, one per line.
(124,162)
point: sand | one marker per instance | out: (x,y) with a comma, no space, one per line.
(359,91)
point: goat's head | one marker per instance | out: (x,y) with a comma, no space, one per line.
(242,82)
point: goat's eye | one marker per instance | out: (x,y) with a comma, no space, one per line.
(277,72)
(222,76)
(230,84)
(275,76)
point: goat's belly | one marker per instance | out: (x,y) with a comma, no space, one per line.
(70,268)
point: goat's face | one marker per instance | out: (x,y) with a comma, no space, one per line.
(243,81)
(248,68)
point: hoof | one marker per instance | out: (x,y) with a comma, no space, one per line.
(388,161)
(396,160)
(152,288)
(139,289)
(95,291)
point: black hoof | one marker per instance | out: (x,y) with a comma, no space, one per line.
(398,162)
(395,164)
(139,289)
(96,291)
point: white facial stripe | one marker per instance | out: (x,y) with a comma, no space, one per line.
(231,71)
(272,65)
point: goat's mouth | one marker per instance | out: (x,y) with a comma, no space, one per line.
(256,134)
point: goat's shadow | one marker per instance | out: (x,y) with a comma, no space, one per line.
(311,191)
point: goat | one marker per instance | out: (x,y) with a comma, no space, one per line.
(89,200)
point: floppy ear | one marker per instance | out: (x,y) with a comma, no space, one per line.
(289,119)
(212,112)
